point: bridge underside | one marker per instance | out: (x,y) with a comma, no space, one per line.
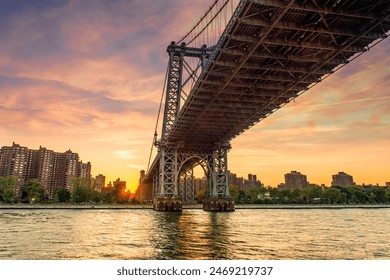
(270,52)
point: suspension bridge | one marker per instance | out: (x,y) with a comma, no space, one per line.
(242,61)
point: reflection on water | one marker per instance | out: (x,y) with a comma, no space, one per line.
(200,235)
(195,234)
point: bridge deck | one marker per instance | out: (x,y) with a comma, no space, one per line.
(270,52)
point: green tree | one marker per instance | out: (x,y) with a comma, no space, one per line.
(357,195)
(96,197)
(331,195)
(233,191)
(285,196)
(8,187)
(253,194)
(312,192)
(242,197)
(380,194)
(62,195)
(33,191)
(80,194)
(387,195)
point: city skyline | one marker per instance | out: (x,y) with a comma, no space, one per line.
(54,170)
(21,154)
(89,78)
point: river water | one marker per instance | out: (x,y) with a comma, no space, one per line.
(194,234)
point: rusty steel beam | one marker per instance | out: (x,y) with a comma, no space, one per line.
(308,7)
(266,77)
(300,27)
(297,44)
(246,85)
(273,67)
(288,57)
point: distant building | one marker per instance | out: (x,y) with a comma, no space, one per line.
(342,179)
(241,183)
(295,180)
(107,188)
(119,184)
(100,182)
(14,162)
(44,169)
(387,184)
(200,184)
(84,170)
(144,191)
(54,170)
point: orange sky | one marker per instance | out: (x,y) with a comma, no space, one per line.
(88,77)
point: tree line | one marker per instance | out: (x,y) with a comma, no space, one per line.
(312,195)
(82,192)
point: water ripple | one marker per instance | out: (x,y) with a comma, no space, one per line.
(195,234)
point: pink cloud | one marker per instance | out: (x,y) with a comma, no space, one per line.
(88,75)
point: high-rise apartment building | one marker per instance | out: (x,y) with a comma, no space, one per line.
(54,170)
(84,170)
(342,179)
(14,162)
(44,169)
(295,180)
(71,161)
(241,183)
(100,182)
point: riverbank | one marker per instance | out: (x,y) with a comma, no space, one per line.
(194,206)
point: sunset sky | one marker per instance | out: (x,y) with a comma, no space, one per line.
(88,75)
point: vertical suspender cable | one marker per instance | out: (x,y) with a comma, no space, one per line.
(158,116)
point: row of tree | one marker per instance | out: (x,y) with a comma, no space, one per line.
(34,192)
(312,194)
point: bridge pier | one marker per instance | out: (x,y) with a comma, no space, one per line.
(168,204)
(218,204)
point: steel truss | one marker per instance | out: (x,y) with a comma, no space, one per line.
(173,178)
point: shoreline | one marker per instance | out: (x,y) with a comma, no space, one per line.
(194,206)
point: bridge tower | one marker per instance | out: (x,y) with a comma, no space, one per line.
(173,180)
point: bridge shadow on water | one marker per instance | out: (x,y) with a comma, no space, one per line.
(192,235)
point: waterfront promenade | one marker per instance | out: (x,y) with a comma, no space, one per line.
(192,206)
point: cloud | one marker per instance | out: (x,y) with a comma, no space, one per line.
(127,154)
(88,75)
(134,166)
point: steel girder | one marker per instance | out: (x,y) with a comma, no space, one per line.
(173,170)
(174,175)
(220,186)
(168,173)
(174,86)
(286,45)
(187,186)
